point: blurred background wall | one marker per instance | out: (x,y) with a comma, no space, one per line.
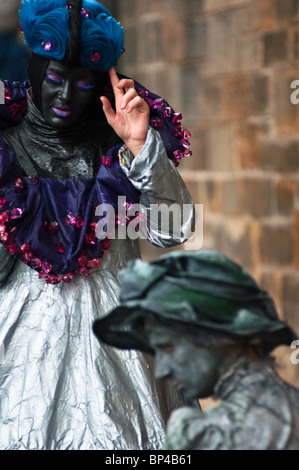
(13,53)
(228,66)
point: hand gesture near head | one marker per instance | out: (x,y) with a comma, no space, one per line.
(130,121)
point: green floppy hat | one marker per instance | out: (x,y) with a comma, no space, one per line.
(204,290)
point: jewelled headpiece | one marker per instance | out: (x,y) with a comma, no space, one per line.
(47,24)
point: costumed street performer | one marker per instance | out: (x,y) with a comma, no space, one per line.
(212,331)
(73,138)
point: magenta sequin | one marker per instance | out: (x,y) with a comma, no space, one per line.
(185,143)
(2,202)
(27,257)
(127,205)
(67,278)
(46,267)
(177,117)
(166,113)
(84,271)
(51,279)
(16,213)
(25,248)
(19,185)
(47,45)
(36,263)
(158,103)
(106,161)
(59,248)
(70,219)
(187,134)
(157,122)
(54,227)
(13,248)
(95,58)
(83,260)
(4,217)
(7,94)
(95,263)
(178,154)
(3,237)
(34,179)
(90,239)
(143,94)
(106,244)
(85,12)
(178,131)
(79,222)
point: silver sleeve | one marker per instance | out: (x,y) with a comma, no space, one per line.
(165,200)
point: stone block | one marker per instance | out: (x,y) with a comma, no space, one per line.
(233,237)
(210,5)
(285,197)
(125,8)
(232,196)
(248,145)
(285,112)
(221,148)
(150,43)
(224,33)
(276,244)
(196,37)
(286,9)
(175,38)
(275,47)
(261,94)
(279,155)
(290,299)
(185,81)
(130,45)
(258,196)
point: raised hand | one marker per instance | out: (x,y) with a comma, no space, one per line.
(130,121)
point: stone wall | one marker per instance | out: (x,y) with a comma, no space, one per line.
(228,66)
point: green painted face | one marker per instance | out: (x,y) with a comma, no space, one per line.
(191,368)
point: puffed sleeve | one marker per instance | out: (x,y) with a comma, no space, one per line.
(164,197)
(189,429)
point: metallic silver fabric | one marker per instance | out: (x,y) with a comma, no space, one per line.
(160,184)
(59,388)
(47,152)
(258,411)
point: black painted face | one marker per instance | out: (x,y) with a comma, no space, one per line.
(66,93)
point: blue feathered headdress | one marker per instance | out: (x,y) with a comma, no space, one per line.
(45,24)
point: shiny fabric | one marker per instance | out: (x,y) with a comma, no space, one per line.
(46,152)
(59,388)
(258,411)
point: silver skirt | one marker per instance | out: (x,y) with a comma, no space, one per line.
(59,388)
